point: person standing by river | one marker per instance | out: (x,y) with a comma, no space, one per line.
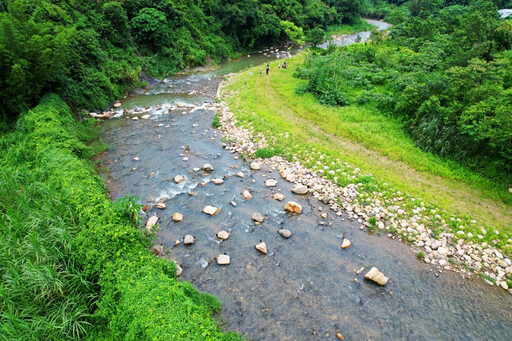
(268,68)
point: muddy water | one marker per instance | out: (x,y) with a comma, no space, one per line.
(305,288)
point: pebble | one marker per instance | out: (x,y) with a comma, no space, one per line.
(185,159)
(223,260)
(261,247)
(279,196)
(177,217)
(257,217)
(157,250)
(179,178)
(207,167)
(151,222)
(211,210)
(375,275)
(293,207)
(300,189)
(256,165)
(136,158)
(324,215)
(271,183)
(160,205)
(345,244)
(224,235)
(246,195)
(240,174)
(285,233)
(188,240)
(504,285)
(218,181)
(179,270)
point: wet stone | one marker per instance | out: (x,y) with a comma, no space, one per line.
(160,205)
(211,210)
(240,174)
(188,240)
(157,250)
(285,233)
(151,222)
(246,195)
(271,183)
(179,178)
(208,168)
(224,235)
(223,260)
(261,247)
(218,181)
(375,275)
(257,217)
(177,217)
(293,207)
(345,244)
(279,196)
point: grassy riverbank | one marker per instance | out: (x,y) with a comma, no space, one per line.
(359,26)
(337,140)
(73,264)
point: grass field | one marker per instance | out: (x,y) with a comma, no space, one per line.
(342,139)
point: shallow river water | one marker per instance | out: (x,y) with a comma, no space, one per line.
(305,288)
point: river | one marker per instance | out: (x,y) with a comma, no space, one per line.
(306,287)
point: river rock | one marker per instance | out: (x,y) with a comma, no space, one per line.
(285,233)
(179,270)
(256,165)
(257,217)
(151,223)
(375,275)
(323,215)
(300,189)
(211,210)
(443,251)
(224,235)
(160,205)
(279,196)
(504,285)
(145,117)
(179,178)
(223,260)
(435,245)
(240,174)
(271,183)
(117,104)
(293,207)
(136,158)
(218,181)
(247,195)
(188,240)
(177,217)
(345,244)
(207,167)
(261,247)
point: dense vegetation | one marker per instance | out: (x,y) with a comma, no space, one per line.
(91,52)
(444,74)
(71,261)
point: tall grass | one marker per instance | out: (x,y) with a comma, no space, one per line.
(72,263)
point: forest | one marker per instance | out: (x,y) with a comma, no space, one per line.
(91,52)
(444,72)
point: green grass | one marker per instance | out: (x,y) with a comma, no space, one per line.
(73,264)
(216,121)
(359,136)
(360,25)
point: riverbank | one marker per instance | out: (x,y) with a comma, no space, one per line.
(74,264)
(449,223)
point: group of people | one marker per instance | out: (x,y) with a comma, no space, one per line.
(268,67)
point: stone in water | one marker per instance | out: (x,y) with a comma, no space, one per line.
(247,195)
(177,217)
(279,196)
(256,165)
(207,167)
(178,179)
(257,217)
(224,235)
(223,260)
(218,181)
(285,233)
(300,189)
(211,210)
(346,244)
(189,240)
(375,275)
(271,183)
(293,207)
(261,247)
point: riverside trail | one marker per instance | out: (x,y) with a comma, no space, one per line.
(306,287)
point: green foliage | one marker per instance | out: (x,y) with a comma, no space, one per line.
(72,263)
(266,153)
(444,77)
(216,121)
(294,33)
(316,36)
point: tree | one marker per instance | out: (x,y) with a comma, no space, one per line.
(294,33)
(150,28)
(316,36)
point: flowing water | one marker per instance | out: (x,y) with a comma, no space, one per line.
(305,288)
